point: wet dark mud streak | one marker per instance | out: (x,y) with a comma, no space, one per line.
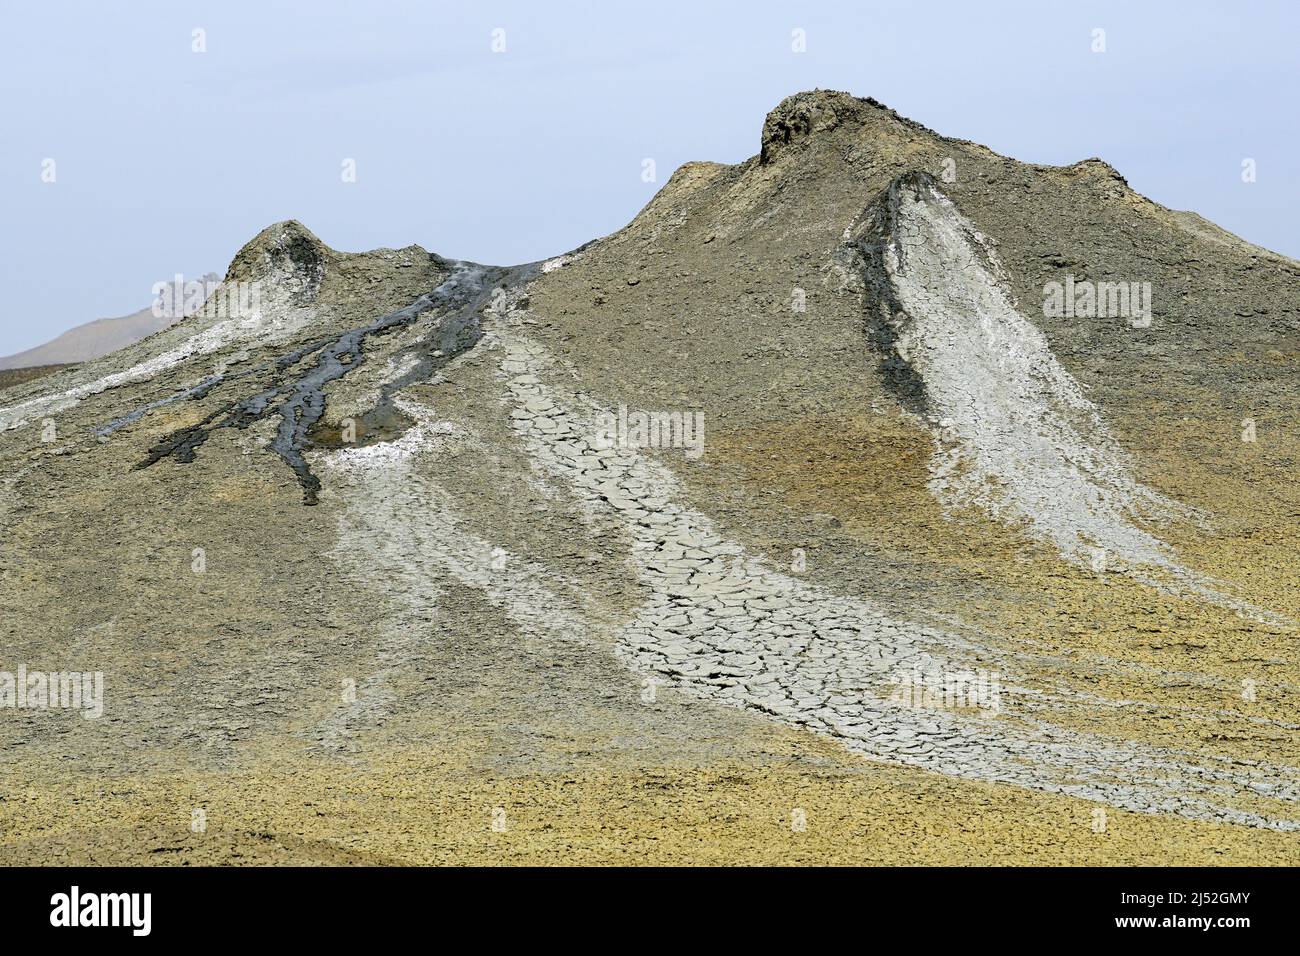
(882,306)
(300,401)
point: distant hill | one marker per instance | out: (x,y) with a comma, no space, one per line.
(97,338)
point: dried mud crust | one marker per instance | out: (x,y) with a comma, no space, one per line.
(422,808)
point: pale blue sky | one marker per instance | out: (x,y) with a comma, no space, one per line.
(168,161)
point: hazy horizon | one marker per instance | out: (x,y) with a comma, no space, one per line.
(168,160)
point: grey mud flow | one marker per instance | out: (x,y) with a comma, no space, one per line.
(299,397)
